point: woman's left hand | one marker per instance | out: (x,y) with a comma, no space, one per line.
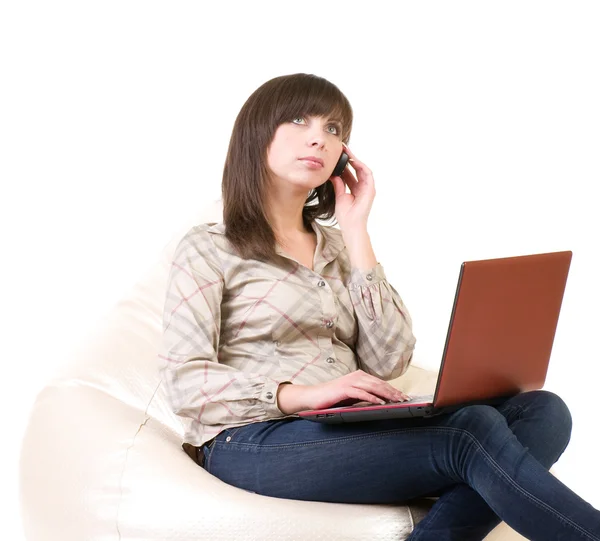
(352,209)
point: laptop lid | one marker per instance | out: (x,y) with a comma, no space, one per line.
(502,327)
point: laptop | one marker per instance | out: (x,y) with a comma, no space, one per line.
(498,344)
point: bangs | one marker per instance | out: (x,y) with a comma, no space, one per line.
(309,95)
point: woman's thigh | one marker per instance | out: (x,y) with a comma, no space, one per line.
(386,461)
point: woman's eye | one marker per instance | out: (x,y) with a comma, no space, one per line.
(334,126)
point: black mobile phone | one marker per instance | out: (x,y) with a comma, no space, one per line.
(341,164)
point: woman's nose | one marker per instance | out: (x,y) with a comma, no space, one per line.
(317,140)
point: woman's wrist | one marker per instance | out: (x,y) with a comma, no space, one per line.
(291,398)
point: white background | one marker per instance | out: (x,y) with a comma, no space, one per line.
(480,121)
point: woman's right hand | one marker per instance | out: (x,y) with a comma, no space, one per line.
(354,387)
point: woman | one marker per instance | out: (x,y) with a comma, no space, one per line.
(270,313)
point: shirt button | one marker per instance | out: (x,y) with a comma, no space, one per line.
(329,324)
(277,343)
(330,360)
(269,395)
(321,283)
(228,438)
(369,276)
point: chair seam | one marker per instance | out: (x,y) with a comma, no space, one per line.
(120,485)
(411,518)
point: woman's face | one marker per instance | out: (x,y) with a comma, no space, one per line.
(301,138)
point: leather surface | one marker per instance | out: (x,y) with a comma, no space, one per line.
(101,458)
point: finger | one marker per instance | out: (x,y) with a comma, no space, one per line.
(355,392)
(349,178)
(353,161)
(385,390)
(351,155)
(404,395)
(357,164)
(338,185)
(398,392)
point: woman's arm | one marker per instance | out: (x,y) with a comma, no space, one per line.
(197,385)
(385,340)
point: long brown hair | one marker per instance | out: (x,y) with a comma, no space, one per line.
(245,175)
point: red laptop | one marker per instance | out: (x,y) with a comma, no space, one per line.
(499,339)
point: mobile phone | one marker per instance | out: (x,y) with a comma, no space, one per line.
(341,164)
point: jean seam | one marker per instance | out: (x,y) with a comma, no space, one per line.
(499,471)
(207,459)
(517,488)
(515,409)
(333,440)
(433,513)
(232,431)
(213,443)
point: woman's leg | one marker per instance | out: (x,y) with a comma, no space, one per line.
(395,460)
(542,423)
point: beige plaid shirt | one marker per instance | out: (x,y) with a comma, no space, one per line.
(234,329)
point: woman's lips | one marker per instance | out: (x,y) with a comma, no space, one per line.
(311,163)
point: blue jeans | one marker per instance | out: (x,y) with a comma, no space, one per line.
(486,464)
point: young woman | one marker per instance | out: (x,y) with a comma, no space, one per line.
(269,313)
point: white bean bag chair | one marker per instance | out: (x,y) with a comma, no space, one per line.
(101,457)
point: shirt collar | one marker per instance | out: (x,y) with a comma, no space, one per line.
(329,242)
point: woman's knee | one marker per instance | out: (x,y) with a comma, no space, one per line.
(475,428)
(556,411)
(479,420)
(486,424)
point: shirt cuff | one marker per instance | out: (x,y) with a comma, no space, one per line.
(366,278)
(268,396)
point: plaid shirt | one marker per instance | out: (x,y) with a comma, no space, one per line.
(234,329)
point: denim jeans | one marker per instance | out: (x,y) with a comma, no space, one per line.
(485,463)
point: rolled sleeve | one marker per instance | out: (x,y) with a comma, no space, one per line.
(385,341)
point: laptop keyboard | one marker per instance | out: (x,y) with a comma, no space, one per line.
(414,400)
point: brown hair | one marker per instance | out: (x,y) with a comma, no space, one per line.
(246,174)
